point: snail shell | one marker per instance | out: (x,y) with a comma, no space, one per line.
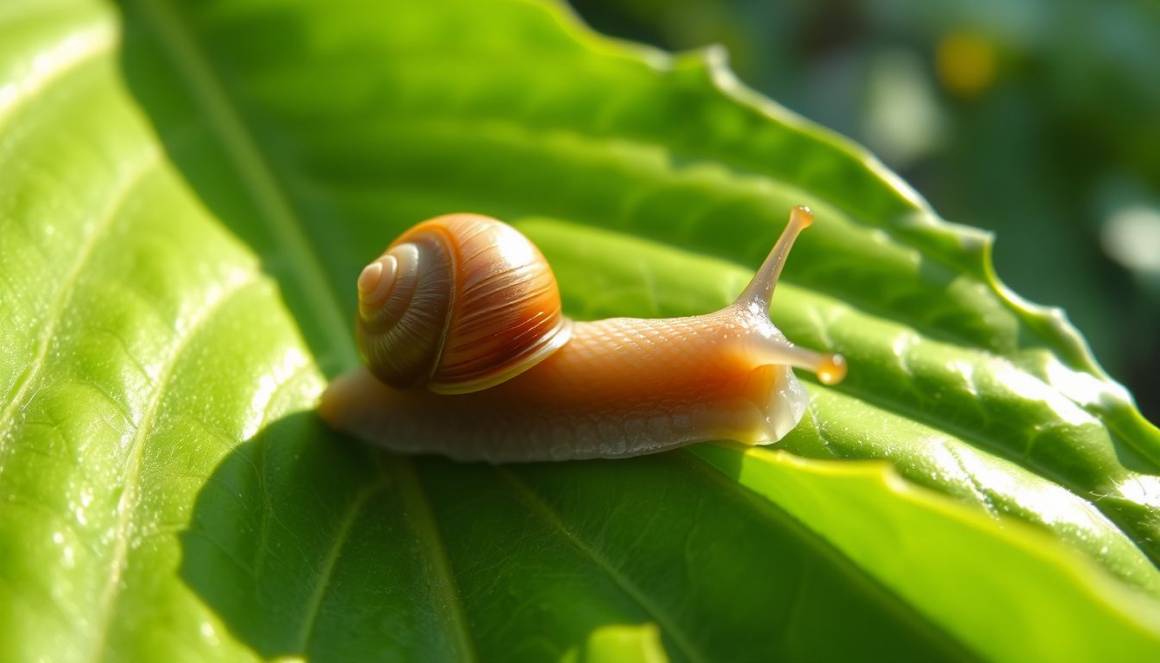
(457,304)
(469,356)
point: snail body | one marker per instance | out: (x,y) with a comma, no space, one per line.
(563,390)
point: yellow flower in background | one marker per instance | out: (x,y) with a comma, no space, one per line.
(965,63)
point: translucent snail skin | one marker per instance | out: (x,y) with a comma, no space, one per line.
(469,356)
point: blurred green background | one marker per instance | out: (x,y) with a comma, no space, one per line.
(1037,120)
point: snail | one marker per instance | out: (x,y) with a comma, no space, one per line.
(469,355)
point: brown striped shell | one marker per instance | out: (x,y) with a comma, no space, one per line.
(456,304)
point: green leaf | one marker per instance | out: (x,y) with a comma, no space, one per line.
(188,191)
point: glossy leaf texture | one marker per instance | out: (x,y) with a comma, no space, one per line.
(187,192)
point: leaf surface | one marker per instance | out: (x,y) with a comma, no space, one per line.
(190,189)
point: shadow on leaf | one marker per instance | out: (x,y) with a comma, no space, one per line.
(298,543)
(305,543)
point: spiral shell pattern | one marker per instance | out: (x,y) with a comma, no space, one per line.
(458,303)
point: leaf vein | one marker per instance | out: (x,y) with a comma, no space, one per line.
(326,573)
(770,510)
(425,528)
(539,507)
(72,53)
(126,504)
(59,305)
(236,137)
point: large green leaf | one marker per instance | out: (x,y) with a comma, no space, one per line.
(187,192)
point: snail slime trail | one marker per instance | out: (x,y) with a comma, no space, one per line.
(468,355)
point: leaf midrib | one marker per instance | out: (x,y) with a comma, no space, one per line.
(272,204)
(285,225)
